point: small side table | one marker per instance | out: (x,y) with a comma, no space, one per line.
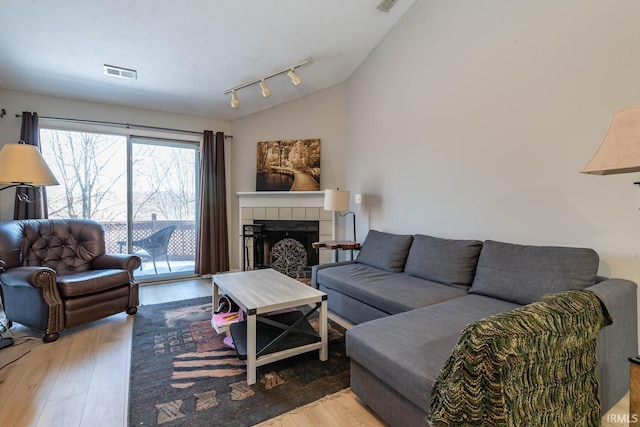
(634,391)
(348,245)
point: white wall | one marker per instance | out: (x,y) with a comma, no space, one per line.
(473,119)
(320,115)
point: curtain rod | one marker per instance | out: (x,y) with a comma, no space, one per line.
(124,125)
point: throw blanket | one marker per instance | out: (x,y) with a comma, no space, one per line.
(533,366)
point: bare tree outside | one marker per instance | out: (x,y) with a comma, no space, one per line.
(164,182)
(91,169)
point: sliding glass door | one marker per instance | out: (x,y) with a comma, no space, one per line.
(143,191)
(164,203)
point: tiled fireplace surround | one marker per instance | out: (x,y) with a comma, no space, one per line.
(286,206)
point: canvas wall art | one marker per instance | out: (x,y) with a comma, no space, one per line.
(288,165)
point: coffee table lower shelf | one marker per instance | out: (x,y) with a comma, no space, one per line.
(293,343)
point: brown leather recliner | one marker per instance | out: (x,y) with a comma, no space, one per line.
(56,275)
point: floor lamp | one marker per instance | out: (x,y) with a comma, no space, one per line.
(338,201)
(22,165)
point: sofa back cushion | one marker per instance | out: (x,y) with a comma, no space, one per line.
(385,250)
(523,274)
(452,262)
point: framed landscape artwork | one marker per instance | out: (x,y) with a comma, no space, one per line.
(288,165)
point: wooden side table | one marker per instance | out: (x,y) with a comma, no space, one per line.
(634,391)
(337,244)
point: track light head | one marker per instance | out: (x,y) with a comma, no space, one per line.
(265,90)
(295,79)
(235,103)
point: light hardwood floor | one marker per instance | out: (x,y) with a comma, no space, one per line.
(83,378)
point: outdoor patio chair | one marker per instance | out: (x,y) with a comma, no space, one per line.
(155,245)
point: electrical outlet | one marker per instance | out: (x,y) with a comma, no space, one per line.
(358,199)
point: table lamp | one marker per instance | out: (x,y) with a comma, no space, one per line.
(619,151)
(338,201)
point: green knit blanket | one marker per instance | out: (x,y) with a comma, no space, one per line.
(532,366)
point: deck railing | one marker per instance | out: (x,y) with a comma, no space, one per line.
(182,245)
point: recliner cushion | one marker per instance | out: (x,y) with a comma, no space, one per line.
(448,261)
(524,274)
(89,282)
(385,250)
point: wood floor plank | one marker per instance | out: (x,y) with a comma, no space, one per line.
(27,395)
(58,412)
(107,391)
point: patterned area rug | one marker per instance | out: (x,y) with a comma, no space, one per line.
(182,374)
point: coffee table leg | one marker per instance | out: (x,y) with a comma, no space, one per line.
(251,349)
(216,299)
(324,350)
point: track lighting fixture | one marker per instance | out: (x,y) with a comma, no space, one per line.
(235,103)
(265,90)
(295,80)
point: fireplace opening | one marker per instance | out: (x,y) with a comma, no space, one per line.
(266,233)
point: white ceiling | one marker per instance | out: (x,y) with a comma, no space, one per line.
(187,53)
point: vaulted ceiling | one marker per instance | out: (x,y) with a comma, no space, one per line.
(187,53)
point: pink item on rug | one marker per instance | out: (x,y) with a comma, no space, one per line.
(228,341)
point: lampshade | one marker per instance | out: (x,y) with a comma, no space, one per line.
(336,200)
(23,164)
(619,151)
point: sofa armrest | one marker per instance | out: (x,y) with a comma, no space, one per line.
(120,261)
(316,268)
(618,341)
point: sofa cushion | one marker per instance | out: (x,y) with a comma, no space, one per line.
(407,351)
(386,291)
(452,262)
(384,250)
(523,274)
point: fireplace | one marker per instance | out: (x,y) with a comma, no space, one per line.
(266,233)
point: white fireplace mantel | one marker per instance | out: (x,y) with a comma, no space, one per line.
(266,199)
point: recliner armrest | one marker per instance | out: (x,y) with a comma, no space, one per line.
(121,261)
(27,276)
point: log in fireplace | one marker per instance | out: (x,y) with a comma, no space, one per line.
(266,233)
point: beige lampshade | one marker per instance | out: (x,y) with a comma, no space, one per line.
(23,164)
(619,151)
(336,200)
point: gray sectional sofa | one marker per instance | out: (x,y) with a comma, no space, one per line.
(410,296)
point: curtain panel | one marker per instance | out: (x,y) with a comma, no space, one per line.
(212,245)
(37,208)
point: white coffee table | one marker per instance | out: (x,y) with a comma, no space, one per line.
(262,291)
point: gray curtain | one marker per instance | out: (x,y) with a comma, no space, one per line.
(30,134)
(212,245)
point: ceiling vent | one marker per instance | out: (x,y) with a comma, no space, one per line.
(125,73)
(386,5)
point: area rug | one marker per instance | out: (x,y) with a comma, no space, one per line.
(182,374)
